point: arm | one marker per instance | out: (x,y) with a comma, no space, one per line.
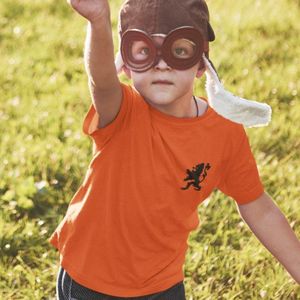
(103,80)
(99,54)
(273,230)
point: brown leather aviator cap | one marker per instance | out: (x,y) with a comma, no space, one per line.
(162,16)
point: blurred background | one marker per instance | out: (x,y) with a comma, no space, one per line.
(44,155)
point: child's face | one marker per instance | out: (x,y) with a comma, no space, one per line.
(181,81)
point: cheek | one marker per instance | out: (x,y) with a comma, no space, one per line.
(140,79)
(139,82)
(187,77)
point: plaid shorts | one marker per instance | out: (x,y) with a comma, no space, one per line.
(68,289)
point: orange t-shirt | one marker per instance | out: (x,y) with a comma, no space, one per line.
(126,228)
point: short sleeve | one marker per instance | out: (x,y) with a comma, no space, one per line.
(241,179)
(91,119)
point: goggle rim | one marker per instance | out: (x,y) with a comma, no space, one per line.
(179,64)
(142,36)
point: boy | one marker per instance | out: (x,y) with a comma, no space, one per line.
(159,152)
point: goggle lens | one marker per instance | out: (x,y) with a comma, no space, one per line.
(140,51)
(183,49)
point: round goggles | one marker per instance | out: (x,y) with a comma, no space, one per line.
(181,49)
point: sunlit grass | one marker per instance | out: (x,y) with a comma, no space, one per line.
(44,155)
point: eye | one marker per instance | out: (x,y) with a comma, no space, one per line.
(180,51)
(140,50)
(145,50)
(183,48)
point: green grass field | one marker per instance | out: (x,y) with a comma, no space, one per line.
(44,154)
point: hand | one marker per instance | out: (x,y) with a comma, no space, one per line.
(92,10)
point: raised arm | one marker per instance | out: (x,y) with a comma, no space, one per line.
(103,81)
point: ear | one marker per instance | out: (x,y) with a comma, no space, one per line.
(127,71)
(201,69)
(200,72)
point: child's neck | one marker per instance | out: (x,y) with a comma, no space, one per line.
(184,111)
(202,106)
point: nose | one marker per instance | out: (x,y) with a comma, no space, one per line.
(161,65)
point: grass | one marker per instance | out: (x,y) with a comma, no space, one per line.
(44,155)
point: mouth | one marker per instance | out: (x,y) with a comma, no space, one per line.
(165,82)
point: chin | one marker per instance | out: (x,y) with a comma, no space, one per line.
(160,98)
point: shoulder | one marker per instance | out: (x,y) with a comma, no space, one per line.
(221,124)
